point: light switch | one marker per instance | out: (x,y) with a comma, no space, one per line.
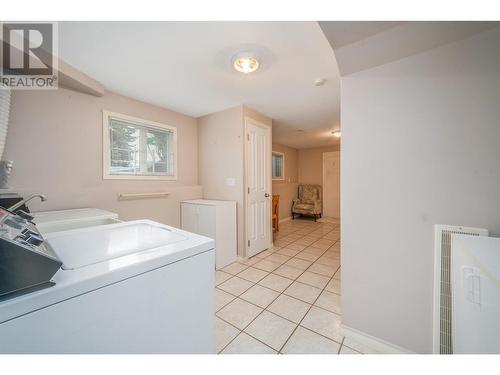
(230,181)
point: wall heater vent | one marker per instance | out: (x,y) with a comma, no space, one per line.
(442,320)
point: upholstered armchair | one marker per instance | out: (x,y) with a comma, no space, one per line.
(308,201)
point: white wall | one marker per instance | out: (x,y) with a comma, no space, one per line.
(420,146)
(55,141)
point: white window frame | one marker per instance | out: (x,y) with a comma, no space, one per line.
(106,151)
(282,178)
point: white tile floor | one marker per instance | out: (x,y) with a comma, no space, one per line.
(284,300)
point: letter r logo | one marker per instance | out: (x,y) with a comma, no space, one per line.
(27,49)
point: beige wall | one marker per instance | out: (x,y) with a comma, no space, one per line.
(259,117)
(287,188)
(420,146)
(221,156)
(304,166)
(55,141)
(311,164)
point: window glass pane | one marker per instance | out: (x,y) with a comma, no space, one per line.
(137,149)
(277,164)
(124,148)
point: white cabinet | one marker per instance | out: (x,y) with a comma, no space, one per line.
(215,219)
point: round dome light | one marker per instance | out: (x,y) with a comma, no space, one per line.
(245,63)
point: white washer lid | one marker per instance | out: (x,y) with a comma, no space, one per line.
(82,247)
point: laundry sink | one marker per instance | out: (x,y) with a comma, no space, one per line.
(62,220)
(85,246)
(46,228)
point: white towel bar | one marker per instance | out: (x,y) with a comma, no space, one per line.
(142,195)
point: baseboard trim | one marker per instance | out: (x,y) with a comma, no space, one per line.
(375,343)
(285,219)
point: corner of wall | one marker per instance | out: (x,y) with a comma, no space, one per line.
(257,116)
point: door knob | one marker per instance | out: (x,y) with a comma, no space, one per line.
(266,195)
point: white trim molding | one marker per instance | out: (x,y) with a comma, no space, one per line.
(377,345)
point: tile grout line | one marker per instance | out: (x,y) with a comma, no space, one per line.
(265,309)
(312,304)
(341,345)
(296,280)
(280,293)
(331,278)
(298,325)
(282,264)
(269,272)
(243,331)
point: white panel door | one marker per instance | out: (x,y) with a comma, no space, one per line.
(331,184)
(258,183)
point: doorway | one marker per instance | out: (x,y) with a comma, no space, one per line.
(331,184)
(258,186)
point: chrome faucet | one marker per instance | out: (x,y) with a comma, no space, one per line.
(14,207)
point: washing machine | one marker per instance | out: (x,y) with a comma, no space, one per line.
(128,287)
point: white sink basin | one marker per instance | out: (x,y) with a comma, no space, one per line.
(61,220)
(82,247)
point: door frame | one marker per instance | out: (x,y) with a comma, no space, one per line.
(323,179)
(268,129)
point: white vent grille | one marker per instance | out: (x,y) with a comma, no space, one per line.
(443,335)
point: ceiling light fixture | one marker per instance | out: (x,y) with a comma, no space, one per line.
(245,62)
(336,133)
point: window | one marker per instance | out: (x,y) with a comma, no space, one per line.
(138,149)
(278,165)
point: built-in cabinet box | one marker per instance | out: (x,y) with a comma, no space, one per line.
(215,219)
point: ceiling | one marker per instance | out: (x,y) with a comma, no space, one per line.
(362,45)
(186,67)
(342,33)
